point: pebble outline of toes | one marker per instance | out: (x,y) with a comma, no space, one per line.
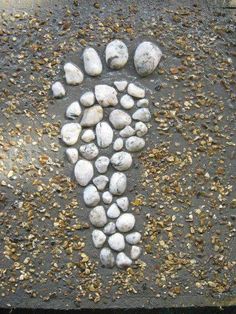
(114,225)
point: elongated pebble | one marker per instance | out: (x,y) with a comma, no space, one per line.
(136,91)
(92,62)
(107,258)
(83,172)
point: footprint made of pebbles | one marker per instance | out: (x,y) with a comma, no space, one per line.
(114,225)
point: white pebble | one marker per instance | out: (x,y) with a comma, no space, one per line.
(127,102)
(88,136)
(110,228)
(127,131)
(58,90)
(87,99)
(100,182)
(113,211)
(83,172)
(106,95)
(107,258)
(102,164)
(133,238)
(91,195)
(92,116)
(134,144)
(119,119)
(142,114)
(107,197)
(136,91)
(116,242)
(104,134)
(73,110)
(73,74)
(118,144)
(70,133)
(121,85)
(89,151)
(146,58)
(92,62)
(97,216)
(125,222)
(142,102)
(121,161)
(122,260)
(135,252)
(116,54)
(98,238)
(123,203)
(72,155)
(141,128)
(118,183)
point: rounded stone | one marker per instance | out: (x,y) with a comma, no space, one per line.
(89,151)
(97,216)
(135,91)
(125,222)
(92,116)
(142,114)
(83,172)
(121,85)
(72,155)
(88,136)
(116,54)
(74,110)
(123,203)
(70,133)
(121,161)
(107,197)
(118,183)
(58,90)
(106,95)
(134,144)
(122,260)
(107,258)
(118,144)
(135,252)
(133,238)
(127,131)
(73,74)
(141,129)
(100,182)
(116,242)
(87,99)
(102,164)
(98,238)
(142,102)
(91,195)
(92,62)
(110,228)
(146,58)
(113,211)
(119,119)
(127,102)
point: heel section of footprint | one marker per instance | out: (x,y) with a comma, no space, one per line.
(115,226)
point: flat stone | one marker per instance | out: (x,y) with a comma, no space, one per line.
(123,203)
(106,95)
(119,119)
(104,134)
(58,90)
(142,114)
(121,161)
(135,252)
(136,91)
(70,133)
(100,182)
(107,258)
(98,238)
(74,110)
(73,74)
(146,58)
(118,183)
(107,197)
(142,102)
(116,54)
(110,228)
(121,85)
(141,129)
(92,116)
(88,136)
(134,144)
(92,62)
(133,238)
(102,164)
(83,172)
(122,260)
(89,151)
(72,155)
(97,216)
(116,242)
(87,99)
(127,102)
(127,131)
(118,144)
(91,195)
(125,222)
(113,211)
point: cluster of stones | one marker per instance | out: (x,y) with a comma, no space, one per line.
(114,225)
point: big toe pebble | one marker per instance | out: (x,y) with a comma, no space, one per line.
(125,222)
(116,54)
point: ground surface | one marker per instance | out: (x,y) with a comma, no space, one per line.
(182,186)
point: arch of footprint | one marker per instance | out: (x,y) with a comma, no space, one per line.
(114,226)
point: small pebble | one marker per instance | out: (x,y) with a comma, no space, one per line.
(142,102)
(74,110)
(83,172)
(102,164)
(91,195)
(133,238)
(127,131)
(119,119)
(106,95)
(100,182)
(88,136)
(122,260)
(121,85)
(134,144)
(89,151)
(116,242)
(113,211)
(98,238)
(125,222)
(92,62)
(107,258)
(110,228)
(97,216)
(92,116)
(141,129)
(135,252)
(118,144)
(118,183)
(142,114)
(58,90)
(70,133)
(136,91)
(107,197)
(87,99)
(73,74)
(123,203)
(127,102)
(121,161)
(72,155)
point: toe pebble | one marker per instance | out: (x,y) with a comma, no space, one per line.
(133,238)
(89,151)
(107,197)
(87,99)
(134,144)
(83,172)
(74,110)
(113,211)
(117,242)
(110,228)
(121,85)
(121,161)
(92,116)
(118,183)
(88,136)
(102,164)
(123,203)
(135,252)
(70,133)
(106,95)
(118,144)
(127,102)
(72,155)
(100,182)
(142,114)
(119,119)
(104,134)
